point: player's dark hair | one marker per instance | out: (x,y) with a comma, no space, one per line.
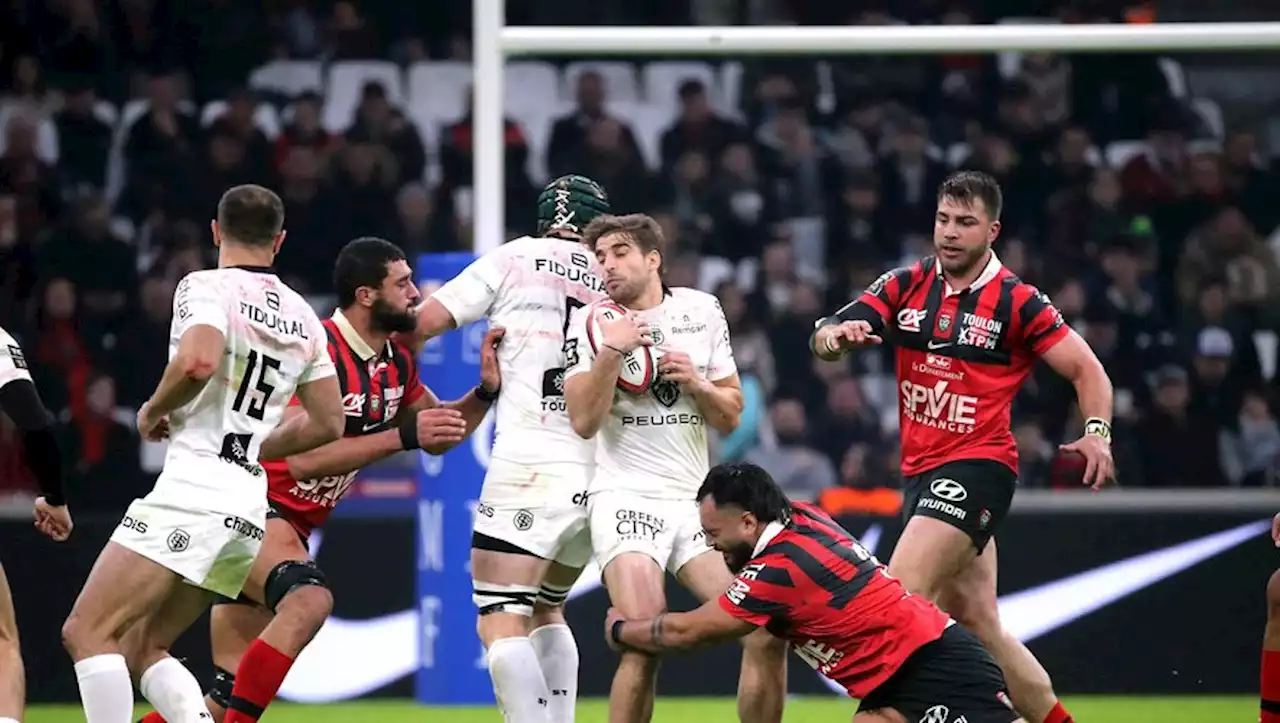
(747,486)
(250,215)
(642,229)
(965,186)
(362,262)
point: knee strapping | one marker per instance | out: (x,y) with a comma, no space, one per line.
(220,692)
(553,595)
(289,576)
(515,599)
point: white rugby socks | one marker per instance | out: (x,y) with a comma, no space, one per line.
(174,692)
(522,692)
(558,656)
(105,689)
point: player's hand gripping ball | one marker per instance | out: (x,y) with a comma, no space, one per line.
(610,326)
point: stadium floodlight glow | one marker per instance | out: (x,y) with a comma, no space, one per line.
(492,42)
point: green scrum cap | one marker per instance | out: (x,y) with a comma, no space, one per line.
(569,203)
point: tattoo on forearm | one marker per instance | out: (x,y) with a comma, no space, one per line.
(655,631)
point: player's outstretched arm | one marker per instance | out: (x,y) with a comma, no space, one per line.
(707,625)
(433,320)
(862,321)
(1074,360)
(321,422)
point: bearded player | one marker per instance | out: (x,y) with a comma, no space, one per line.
(802,577)
(387,410)
(653,450)
(530,540)
(968,333)
(1271,643)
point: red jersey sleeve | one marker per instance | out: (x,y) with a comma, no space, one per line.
(413,387)
(1041,322)
(880,301)
(762,591)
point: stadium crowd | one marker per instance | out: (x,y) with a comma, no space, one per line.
(784,185)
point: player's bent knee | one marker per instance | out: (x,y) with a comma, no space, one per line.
(295,576)
(762,645)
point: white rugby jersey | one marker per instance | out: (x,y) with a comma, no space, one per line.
(655,444)
(13,363)
(529,286)
(274,342)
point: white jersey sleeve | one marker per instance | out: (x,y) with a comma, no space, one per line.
(13,363)
(578,355)
(471,295)
(196,302)
(721,364)
(321,365)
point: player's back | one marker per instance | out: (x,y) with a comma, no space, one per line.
(272,337)
(529,286)
(834,600)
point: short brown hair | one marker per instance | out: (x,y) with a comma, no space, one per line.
(643,231)
(965,186)
(250,215)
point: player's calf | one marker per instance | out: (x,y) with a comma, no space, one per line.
(12,678)
(634,581)
(554,644)
(505,609)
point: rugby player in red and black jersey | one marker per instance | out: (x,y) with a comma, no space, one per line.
(968,332)
(1270,690)
(388,410)
(805,579)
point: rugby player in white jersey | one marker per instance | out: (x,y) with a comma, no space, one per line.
(21,402)
(241,345)
(652,454)
(530,540)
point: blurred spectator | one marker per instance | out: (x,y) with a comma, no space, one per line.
(455,164)
(742,207)
(1178,446)
(106,477)
(377,121)
(1048,79)
(62,348)
(846,421)
(1217,385)
(312,205)
(1156,174)
(350,37)
(421,229)
(232,38)
(570,133)
(611,160)
(24,175)
(1227,247)
(161,145)
(86,252)
(78,47)
(1251,450)
(27,90)
(696,128)
(800,470)
(1035,454)
(239,122)
(861,491)
(750,343)
(17,264)
(84,140)
(141,347)
(304,131)
(908,176)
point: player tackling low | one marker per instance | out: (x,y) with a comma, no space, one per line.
(241,345)
(530,540)
(1270,690)
(653,449)
(968,332)
(387,410)
(21,402)
(802,577)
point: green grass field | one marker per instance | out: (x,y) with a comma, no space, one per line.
(1087,709)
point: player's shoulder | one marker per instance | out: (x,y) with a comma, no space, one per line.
(693,298)
(7,339)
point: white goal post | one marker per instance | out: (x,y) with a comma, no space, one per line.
(493,41)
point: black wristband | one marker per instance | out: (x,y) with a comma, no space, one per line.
(615,632)
(409,432)
(486,396)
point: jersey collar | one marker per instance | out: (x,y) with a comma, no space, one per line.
(358,345)
(771,531)
(988,273)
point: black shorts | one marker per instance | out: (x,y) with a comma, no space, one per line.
(971,494)
(273,513)
(949,680)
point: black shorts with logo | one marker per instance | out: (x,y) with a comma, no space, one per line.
(971,494)
(950,680)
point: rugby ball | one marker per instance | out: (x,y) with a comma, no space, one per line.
(638,367)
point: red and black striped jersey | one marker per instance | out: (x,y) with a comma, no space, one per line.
(812,583)
(375,385)
(961,357)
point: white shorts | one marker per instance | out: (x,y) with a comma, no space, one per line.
(669,531)
(539,509)
(212,550)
